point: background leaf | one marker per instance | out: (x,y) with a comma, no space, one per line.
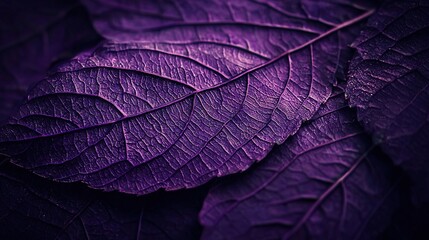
(33,35)
(35,208)
(388,83)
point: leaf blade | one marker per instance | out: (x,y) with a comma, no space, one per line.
(200,123)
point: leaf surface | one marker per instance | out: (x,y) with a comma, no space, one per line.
(177,103)
(389,84)
(325,182)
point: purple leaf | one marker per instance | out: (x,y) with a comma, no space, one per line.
(325,182)
(389,84)
(35,208)
(202,96)
(34,34)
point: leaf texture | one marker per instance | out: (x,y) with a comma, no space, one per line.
(325,182)
(388,83)
(176,103)
(33,35)
(35,208)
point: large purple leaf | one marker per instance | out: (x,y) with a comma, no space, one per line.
(204,96)
(35,208)
(389,84)
(34,34)
(325,182)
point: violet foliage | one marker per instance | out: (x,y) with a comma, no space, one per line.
(260,106)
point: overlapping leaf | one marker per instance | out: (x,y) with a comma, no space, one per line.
(325,182)
(204,89)
(34,34)
(389,84)
(34,208)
